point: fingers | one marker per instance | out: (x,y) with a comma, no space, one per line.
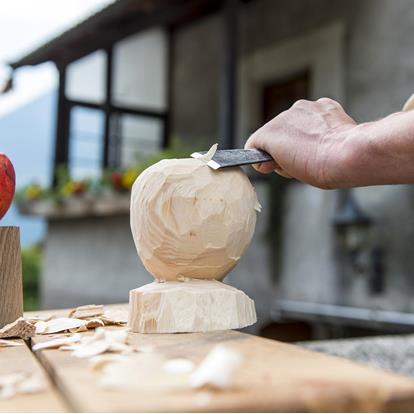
(265,167)
(271,166)
(251,143)
(282,172)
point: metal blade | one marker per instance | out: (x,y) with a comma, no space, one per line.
(234,157)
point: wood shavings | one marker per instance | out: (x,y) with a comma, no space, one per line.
(20,383)
(101,342)
(88,346)
(20,328)
(5,343)
(120,335)
(100,361)
(92,323)
(72,325)
(86,311)
(99,316)
(57,343)
(114,316)
(58,325)
(151,372)
(143,372)
(72,347)
(107,320)
(409,105)
(209,155)
(37,318)
(82,328)
(217,369)
(178,366)
(92,349)
(90,317)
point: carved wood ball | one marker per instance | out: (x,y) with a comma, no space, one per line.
(189,221)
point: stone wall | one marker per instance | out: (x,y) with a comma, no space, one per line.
(90,260)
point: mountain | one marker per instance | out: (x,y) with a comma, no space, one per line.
(27,137)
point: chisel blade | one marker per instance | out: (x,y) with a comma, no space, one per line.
(234,157)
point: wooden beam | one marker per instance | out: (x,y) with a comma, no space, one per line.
(116,131)
(228,84)
(62,126)
(118,108)
(107,108)
(91,36)
(169,82)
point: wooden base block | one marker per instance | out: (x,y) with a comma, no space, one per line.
(192,306)
(11,291)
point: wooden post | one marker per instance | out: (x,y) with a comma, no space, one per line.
(62,125)
(228,84)
(11,287)
(107,160)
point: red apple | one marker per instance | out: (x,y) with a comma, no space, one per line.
(7,184)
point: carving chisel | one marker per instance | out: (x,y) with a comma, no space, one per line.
(234,157)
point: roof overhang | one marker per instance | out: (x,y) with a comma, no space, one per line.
(118,20)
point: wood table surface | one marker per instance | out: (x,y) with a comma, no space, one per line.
(21,359)
(274,376)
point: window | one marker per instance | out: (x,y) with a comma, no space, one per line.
(86,78)
(85,151)
(140,71)
(137,108)
(140,137)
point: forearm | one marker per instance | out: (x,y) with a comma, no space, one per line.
(380,152)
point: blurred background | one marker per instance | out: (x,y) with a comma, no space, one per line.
(93,91)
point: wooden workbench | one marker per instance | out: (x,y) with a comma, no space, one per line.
(273,377)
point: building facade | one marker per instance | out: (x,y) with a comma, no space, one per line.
(202,71)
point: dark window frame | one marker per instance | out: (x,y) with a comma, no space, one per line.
(65,105)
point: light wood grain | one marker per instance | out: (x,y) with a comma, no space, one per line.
(274,377)
(192,306)
(21,359)
(11,293)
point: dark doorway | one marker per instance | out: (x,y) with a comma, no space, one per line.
(278,96)
(281,94)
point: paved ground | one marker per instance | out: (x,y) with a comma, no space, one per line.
(395,353)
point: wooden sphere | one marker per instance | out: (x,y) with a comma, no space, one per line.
(189,221)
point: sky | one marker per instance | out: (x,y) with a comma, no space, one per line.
(25,25)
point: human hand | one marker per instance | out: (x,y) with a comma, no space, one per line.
(307,142)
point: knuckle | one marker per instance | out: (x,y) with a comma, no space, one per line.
(301,103)
(324,99)
(329,103)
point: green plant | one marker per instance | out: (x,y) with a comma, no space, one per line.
(31,268)
(116,180)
